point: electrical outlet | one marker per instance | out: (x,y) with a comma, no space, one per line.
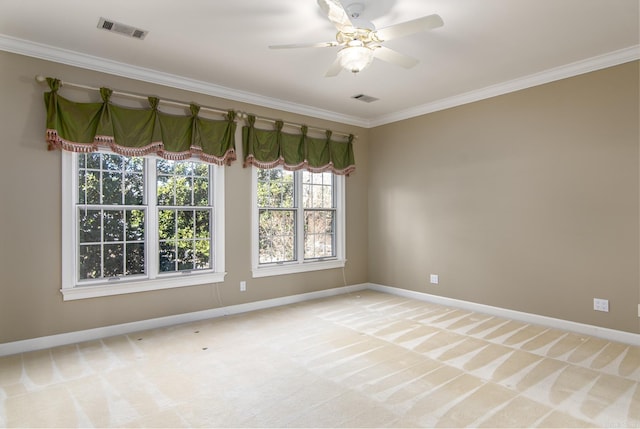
(243,286)
(433,279)
(601,304)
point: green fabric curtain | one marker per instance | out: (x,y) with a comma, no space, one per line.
(85,127)
(273,148)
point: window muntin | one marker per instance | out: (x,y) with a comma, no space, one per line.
(145,222)
(298,221)
(111,243)
(319,206)
(184,216)
(110,216)
(276,216)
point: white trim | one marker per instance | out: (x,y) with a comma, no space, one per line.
(277,270)
(178,280)
(23,346)
(90,62)
(567,325)
(51,53)
(143,325)
(610,59)
(69,230)
(218,218)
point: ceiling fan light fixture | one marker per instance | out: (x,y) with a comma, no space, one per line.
(355,58)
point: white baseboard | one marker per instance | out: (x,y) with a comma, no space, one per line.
(579,328)
(143,325)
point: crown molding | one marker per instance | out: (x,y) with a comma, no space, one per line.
(51,53)
(610,59)
(90,62)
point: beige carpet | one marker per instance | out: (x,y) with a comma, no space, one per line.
(360,360)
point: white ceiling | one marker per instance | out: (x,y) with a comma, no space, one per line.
(218,47)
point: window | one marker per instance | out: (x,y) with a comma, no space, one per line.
(135,224)
(298,221)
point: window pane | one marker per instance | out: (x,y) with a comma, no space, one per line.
(202,258)
(82,195)
(201,170)
(112,162)
(203,224)
(135,225)
(167,256)
(93,160)
(276,236)
(134,164)
(186,223)
(113,260)
(90,226)
(319,234)
(134,189)
(112,188)
(201,191)
(89,187)
(184,191)
(164,166)
(202,243)
(165,191)
(167,224)
(135,258)
(113,225)
(185,255)
(90,262)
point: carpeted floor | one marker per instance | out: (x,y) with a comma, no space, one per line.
(360,360)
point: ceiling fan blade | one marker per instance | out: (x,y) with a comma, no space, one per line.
(410,27)
(393,57)
(336,13)
(334,69)
(305,45)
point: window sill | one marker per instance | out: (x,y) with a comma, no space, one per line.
(278,270)
(185,280)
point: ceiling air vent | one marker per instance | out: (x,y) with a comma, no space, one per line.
(365,98)
(126,30)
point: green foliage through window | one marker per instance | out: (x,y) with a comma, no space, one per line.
(112,216)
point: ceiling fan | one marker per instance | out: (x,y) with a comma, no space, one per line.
(359,40)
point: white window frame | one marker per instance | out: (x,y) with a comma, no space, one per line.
(152,280)
(299,265)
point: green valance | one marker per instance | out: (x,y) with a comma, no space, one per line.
(273,148)
(85,127)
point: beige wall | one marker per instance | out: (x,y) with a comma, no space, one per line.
(30,302)
(527,201)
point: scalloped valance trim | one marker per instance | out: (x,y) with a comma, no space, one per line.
(252,161)
(55,142)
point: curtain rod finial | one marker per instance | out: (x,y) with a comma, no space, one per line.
(40,78)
